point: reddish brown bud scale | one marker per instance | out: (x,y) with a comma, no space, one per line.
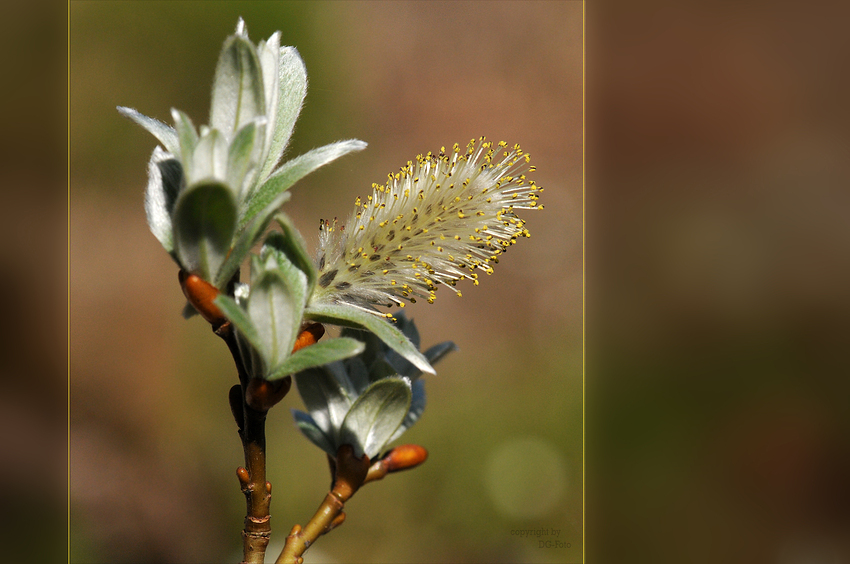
(405,456)
(201,294)
(350,473)
(309,335)
(262,395)
(243,475)
(377,471)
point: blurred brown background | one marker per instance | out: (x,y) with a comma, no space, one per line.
(718,278)
(717,272)
(153,445)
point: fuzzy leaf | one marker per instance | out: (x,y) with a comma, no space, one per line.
(165,177)
(417,406)
(237,95)
(292,88)
(348,316)
(291,172)
(296,250)
(268,52)
(275,255)
(188,139)
(241,159)
(189,311)
(204,221)
(312,431)
(436,353)
(254,362)
(381,369)
(209,161)
(246,239)
(317,355)
(239,318)
(274,308)
(356,373)
(408,327)
(433,355)
(324,396)
(164,133)
(375,347)
(375,416)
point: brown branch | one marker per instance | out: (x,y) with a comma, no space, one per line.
(252,477)
(349,474)
(258,491)
(250,401)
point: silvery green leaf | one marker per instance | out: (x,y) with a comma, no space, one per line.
(291,172)
(297,250)
(417,406)
(268,52)
(188,141)
(316,355)
(269,55)
(240,319)
(246,239)
(164,133)
(381,369)
(348,316)
(275,254)
(237,96)
(433,355)
(292,88)
(189,311)
(437,352)
(241,157)
(324,397)
(204,222)
(408,327)
(253,361)
(209,161)
(375,347)
(274,308)
(401,365)
(312,431)
(241,28)
(356,374)
(375,416)
(256,265)
(165,177)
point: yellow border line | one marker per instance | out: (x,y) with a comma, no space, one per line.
(68,266)
(583,276)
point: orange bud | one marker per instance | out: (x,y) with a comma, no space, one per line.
(201,294)
(309,335)
(243,475)
(404,457)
